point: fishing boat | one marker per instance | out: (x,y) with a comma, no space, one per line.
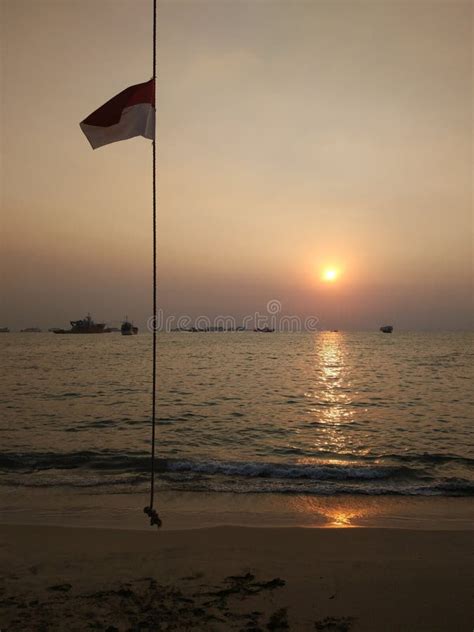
(128,328)
(264,330)
(84,326)
(386,329)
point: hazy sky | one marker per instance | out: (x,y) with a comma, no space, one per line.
(291,136)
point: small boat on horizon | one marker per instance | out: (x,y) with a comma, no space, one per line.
(84,326)
(264,330)
(31,330)
(4,330)
(386,329)
(128,328)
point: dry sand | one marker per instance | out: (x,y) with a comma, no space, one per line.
(234,578)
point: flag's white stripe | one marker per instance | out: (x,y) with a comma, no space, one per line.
(136,120)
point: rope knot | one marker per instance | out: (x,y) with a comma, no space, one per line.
(153,515)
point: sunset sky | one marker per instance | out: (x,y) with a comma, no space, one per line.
(292,137)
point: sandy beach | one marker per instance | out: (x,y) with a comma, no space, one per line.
(234,578)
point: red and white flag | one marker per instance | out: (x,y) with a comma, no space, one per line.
(130,113)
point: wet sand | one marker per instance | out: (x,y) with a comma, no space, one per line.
(235,578)
(184,510)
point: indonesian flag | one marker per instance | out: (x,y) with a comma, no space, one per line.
(130,113)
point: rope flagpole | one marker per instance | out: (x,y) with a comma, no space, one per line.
(131,113)
(149,510)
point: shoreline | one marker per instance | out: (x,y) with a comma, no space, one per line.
(234,578)
(191,510)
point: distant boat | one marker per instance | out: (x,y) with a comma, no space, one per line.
(84,326)
(264,330)
(128,329)
(31,330)
(387,329)
(4,330)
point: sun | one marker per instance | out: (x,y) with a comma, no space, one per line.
(330,275)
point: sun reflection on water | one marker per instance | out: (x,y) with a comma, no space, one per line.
(331,397)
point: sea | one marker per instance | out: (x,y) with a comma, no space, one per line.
(313,429)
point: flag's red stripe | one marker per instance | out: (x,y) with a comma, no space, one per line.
(110,113)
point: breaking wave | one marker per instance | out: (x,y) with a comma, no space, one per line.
(388,474)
